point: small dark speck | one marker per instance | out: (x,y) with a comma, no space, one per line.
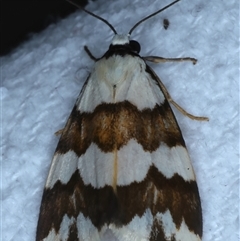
(165,23)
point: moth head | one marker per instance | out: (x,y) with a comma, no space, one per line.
(124,40)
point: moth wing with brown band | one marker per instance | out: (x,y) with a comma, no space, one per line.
(121,170)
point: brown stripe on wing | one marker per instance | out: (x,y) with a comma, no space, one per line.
(157,232)
(180,197)
(111,126)
(73,232)
(104,206)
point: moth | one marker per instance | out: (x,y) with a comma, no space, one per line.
(121,170)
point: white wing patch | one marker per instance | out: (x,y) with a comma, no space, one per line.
(52,236)
(169,227)
(62,168)
(108,84)
(173,160)
(133,163)
(65,227)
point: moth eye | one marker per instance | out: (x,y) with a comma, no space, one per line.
(135,46)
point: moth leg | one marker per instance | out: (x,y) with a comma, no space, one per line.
(90,54)
(59,132)
(170,100)
(157,59)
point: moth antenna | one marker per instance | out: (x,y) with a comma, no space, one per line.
(151,15)
(94,15)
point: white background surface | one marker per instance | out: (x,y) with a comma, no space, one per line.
(41,80)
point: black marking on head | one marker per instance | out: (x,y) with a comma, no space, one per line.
(132,48)
(135,46)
